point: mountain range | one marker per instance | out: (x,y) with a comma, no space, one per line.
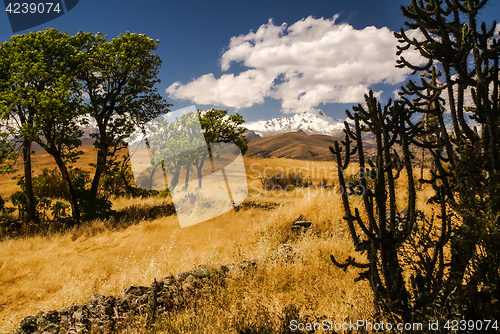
(309,122)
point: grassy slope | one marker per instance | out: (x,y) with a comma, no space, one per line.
(43,273)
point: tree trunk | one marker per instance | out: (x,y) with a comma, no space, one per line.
(186,180)
(75,210)
(198,171)
(30,197)
(175,179)
(100,166)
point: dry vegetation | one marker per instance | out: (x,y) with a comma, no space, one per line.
(43,273)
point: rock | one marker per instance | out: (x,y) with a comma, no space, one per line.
(41,320)
(82,328)
(303,223)
(28,324)
(66,321)
(136,291)
(102,326)
(187,287)
(68,310)
(200,272)
(122,305)
(53,316)
(82,318)
(143,300)
(101,306)
(51,329)
(168,280)
(298,217)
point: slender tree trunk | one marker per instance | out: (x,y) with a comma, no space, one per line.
(100,166)
(198,170)
(75,210)
(175,179)
(30,197)
(186,180)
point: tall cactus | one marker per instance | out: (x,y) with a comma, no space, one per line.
(384,233)
(447,263)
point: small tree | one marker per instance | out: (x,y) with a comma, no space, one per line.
(218,127)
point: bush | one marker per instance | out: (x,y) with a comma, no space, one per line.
(93,208)
(59,209)
(284,182)
(51,183)
(19,200)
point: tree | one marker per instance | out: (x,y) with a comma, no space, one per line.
(118,78)
(178,145)
(174,146)
(220,128)
(40,99)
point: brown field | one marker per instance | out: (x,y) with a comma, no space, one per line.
(43,273)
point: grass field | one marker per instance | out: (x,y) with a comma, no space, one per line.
(43,273)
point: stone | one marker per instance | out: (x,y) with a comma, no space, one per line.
(28,324)
(82,317)
(298,217)
(190,279)
(41,320)
(303,223)
(66,321)
(101,306)
(68,310)
(168,280)
(136,290)
(200,272)
(187,287)
(122,305)
(52,328)
(143,300)
(82,328)
(53,316)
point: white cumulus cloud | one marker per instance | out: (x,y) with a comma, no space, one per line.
(312,61)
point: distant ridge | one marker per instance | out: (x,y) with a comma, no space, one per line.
(293,145)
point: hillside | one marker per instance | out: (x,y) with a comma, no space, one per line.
(293,145)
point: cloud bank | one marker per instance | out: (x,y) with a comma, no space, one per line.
(310,62)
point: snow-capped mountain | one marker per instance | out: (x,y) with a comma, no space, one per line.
(312,121)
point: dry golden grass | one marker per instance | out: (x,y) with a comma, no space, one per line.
(43,273)
(48,273)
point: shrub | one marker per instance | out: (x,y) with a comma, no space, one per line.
(59,209)
(93,208)
(51,183)
(284,182)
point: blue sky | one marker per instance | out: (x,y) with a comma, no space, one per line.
(263,59)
